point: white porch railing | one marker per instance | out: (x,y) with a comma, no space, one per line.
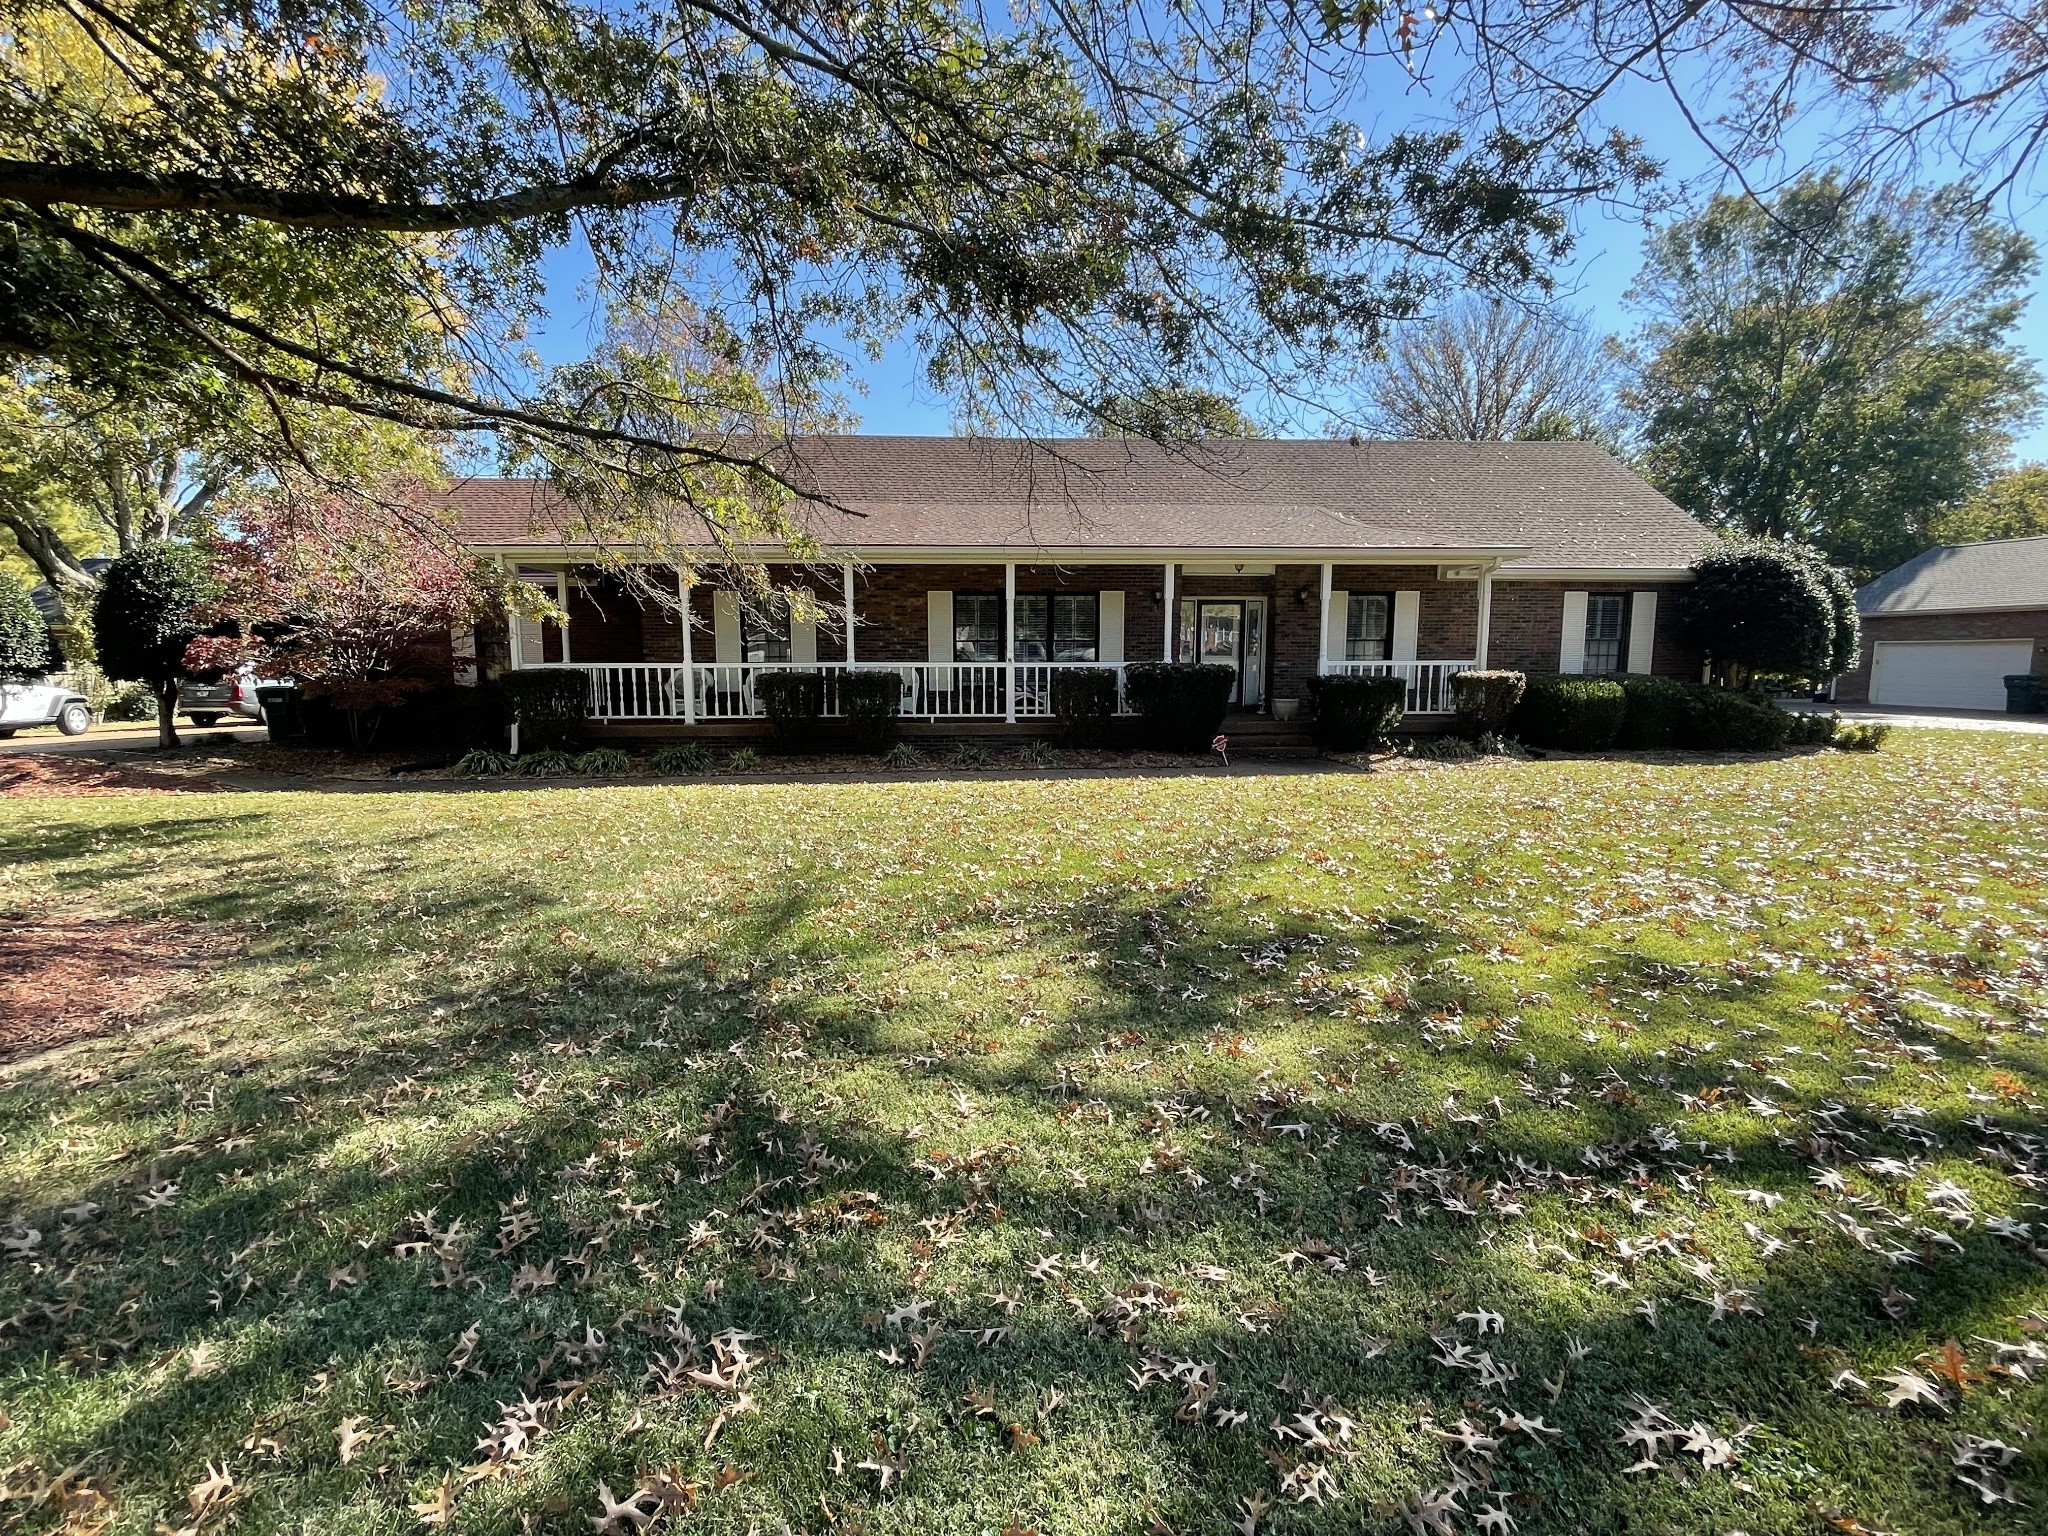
(1429,682)
(959,690)
(723,690)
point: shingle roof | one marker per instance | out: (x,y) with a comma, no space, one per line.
(1552,505)
(1953,578)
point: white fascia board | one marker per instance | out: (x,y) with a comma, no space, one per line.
(1952,612)
(998,555)
(1620,575)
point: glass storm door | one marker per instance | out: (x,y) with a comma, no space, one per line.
(1219,636)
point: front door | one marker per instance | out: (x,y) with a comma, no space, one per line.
(1227,634)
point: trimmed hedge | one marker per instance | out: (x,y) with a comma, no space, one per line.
(1721,720)
(1085,698)
(793,703)
(1486,700)
(1355,714)
(869,700)
(1577,714)
(1181,702)
(547,704)
(1587,714)
(1657,711)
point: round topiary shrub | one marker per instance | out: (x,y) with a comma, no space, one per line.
(1771,606)
(794,702)
(1181,702)
(1356,714)
(870,700)
(1485,700)
(145,615)
(1084,698)
(1576,714)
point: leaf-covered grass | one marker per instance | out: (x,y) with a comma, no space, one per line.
(1407,1151)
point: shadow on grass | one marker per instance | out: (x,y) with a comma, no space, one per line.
(750,1090)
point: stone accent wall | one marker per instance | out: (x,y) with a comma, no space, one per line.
(1528,626)
(2011,624)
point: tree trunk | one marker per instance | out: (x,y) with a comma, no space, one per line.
(167,717)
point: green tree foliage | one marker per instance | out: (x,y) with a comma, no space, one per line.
(26,647)
(2013,505)
(1833,368)
(1050,209)
(1771,606)
(1171,414)
(143,618)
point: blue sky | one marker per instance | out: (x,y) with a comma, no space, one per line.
(1604,262)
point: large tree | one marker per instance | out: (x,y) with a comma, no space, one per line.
(1484,369)
(349,206)
(2013,505)
(1833,366)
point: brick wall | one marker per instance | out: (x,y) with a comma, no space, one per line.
(1854,687)
(604,620)
(1528,626)
(608,624)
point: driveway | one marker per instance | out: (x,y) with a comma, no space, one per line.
(137,737)
(1942,719)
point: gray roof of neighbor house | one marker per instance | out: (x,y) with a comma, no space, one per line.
(1954,578)
(1537,506)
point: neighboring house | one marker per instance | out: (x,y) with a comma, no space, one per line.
(978,566)
(1945,629)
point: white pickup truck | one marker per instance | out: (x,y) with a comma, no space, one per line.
(25,704)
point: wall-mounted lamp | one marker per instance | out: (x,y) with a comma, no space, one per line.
(1304,595)
(1158,597)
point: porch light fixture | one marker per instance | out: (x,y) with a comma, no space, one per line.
(1304,595)
(1158,597)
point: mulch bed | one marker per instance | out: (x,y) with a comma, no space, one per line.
(32,774)
(72,979)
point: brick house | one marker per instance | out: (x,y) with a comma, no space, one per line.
(975,567)
(1945,629)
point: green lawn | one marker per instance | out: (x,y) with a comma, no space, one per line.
(1254,1154)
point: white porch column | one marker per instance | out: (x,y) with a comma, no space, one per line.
(689,662)
(1485,616)
(1009,650)
(512,647)
(562,598)
(1172,621)
(1323,622)
(847,586)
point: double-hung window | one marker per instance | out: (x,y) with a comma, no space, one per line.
(1057,626)
(1606,631)
(764,637)
(977,626)
(1369,627)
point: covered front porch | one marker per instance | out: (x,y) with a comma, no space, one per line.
(982,642)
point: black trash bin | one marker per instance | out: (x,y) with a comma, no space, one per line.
(281,711)
(2026,694)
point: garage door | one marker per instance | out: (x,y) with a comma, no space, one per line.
(1947,674)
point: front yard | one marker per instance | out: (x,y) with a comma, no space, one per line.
(1568,1146)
